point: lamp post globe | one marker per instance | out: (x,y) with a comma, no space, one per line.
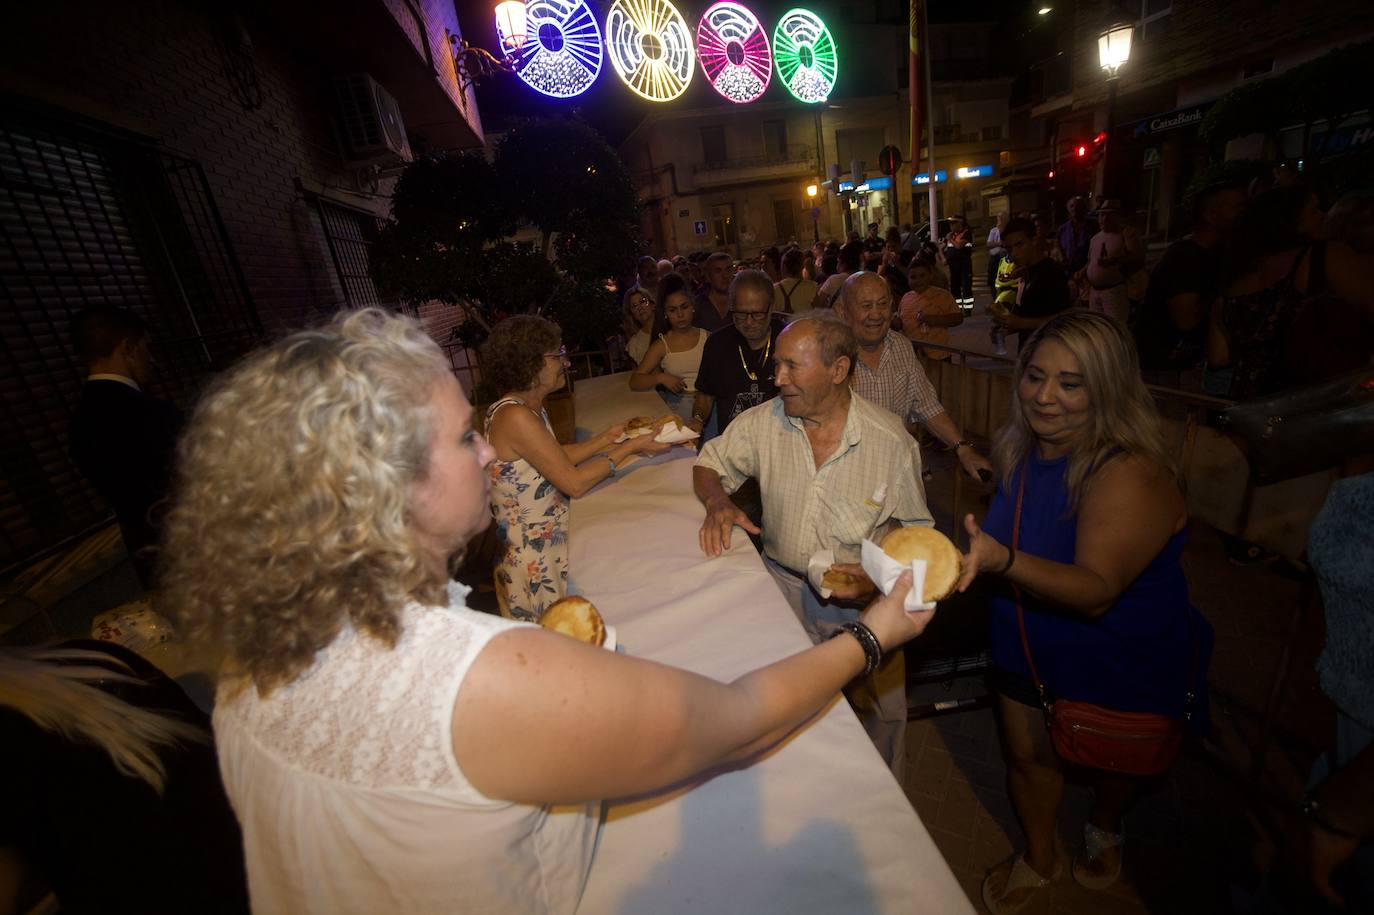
(1114,47)
(510,24)
(1113,51)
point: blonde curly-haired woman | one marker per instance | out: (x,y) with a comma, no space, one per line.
(386,748)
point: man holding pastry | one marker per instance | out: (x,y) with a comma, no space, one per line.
(833,470)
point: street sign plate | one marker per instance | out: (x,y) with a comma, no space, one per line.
(699,227)
(815,212)
(683,214)
(1151,157)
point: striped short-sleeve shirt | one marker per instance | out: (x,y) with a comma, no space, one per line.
(807,509)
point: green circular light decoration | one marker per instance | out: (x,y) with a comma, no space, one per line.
(805,55)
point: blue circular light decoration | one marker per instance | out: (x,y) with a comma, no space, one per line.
(561,55)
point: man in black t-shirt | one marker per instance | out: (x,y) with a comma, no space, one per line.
(1045,292)
(1171,331)
(737,361)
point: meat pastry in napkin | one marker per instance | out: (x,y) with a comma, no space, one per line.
(931,557)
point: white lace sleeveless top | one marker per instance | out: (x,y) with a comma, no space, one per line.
(350,797)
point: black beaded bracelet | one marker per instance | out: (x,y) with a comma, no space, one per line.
(1313,811)
(873,651)
(1011,558)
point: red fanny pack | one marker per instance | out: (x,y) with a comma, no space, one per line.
(1132,743)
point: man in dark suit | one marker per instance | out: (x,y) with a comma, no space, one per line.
(121,438)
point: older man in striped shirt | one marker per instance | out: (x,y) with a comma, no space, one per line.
(888,374)
(833,470)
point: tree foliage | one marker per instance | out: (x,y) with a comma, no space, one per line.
(452,216)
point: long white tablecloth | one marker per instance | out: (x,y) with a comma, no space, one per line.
(820,825)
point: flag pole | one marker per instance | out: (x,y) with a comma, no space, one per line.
(913,73)
(930,120)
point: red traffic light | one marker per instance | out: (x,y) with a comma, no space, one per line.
(1051,174)
(1099,139)
(1081,151)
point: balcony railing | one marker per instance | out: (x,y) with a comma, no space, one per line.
(792,155)
(954,133)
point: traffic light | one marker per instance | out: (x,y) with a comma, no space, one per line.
(1086,153)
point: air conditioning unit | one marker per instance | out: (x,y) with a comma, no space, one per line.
(370,121)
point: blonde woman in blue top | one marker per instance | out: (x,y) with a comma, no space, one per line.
(1097,563)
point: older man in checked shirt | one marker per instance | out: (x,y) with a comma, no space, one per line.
(888,374)
(833,470)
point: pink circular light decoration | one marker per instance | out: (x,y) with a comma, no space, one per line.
(733,49)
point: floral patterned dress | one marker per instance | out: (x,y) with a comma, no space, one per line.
(532,519)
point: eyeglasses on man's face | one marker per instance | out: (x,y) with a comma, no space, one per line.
(745,317)
(560,353)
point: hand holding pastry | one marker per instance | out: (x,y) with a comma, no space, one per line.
(890,621)
(847,581)
(647,445)
(609,435)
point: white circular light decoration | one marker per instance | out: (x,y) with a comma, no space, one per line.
(805,54)
(734,53)
(561,53)
(650,48)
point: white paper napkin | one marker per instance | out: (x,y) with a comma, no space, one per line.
(626,436)
(670,434)
(815,571)
(884,570)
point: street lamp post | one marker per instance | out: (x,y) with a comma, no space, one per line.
(1113,51)
(811,191)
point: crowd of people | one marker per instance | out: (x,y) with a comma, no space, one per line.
(386,748)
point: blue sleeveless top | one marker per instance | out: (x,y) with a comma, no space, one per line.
(1137,657)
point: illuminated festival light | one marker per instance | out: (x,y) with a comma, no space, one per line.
(805,55)
(650,48)
(734,54)
(561,53)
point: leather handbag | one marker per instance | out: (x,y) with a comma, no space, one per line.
(1131,743)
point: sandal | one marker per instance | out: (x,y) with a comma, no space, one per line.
(1010,885)
(1098,865)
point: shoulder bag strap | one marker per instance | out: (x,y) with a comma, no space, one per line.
(1020,611)
(787,296)
(1190,694)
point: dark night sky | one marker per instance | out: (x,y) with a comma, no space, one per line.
(613,109)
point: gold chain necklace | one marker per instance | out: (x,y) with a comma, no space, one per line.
(768,348)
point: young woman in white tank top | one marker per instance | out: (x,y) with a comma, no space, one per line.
(674,358)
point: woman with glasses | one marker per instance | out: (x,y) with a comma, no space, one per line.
(533,476)
(638,320)
(674,358)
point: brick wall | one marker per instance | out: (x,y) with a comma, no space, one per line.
(160,69)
